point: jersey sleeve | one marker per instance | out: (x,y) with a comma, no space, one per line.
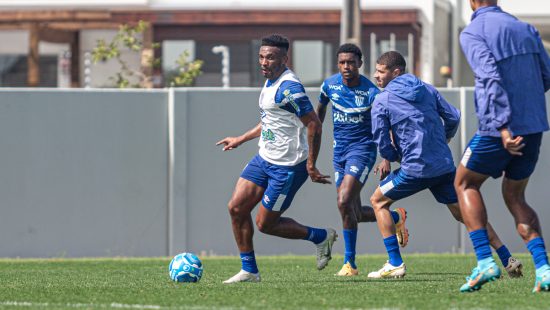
(291,96)
(483,63)
(373,92)
(381,131)
(323,96)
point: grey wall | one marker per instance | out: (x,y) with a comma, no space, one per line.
(86,173)
(83,173)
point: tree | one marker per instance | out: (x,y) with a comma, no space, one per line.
(131,38)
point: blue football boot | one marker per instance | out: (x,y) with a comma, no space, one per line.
(480,276)
(542,282)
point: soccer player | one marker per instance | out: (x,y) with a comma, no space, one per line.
(290,134)
(351,95)
(412,124)
(512,73)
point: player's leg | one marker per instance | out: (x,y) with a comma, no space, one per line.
(474,214)
(512,265)
(244,199)
(283,184)
(484,157)
(366,214)
(348,197)
(248,192)
(394,187)
(528,227)
(527,223)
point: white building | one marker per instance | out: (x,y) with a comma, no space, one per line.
(425,31)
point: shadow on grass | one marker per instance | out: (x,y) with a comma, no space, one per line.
(439,273)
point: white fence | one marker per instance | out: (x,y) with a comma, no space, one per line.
(137,173)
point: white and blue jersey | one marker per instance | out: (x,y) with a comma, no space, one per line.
(354,148)
(280,166)
(282,103)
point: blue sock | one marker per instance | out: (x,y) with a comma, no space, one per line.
(504,255)
(480,240)
(395,216)
(316,235)
(392,247)
(248,262)
(538,251)
(350,239)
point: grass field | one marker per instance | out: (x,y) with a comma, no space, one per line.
(288,282)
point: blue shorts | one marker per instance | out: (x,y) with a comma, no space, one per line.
(397,185)
(356,161)
(487,155)
(280,182)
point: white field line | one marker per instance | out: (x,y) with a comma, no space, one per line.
(107,306)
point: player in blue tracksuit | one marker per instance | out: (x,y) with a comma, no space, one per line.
(351,96)
(512,73)
(412,124)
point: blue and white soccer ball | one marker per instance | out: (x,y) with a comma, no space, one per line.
(185,267)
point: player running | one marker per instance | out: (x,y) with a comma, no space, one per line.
(351,96)
(290,140)
(512,73)
(421,122)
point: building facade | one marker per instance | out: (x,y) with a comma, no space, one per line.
(50,40)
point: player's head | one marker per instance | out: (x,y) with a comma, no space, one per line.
(476,4)
(389,66)
(273,55)
(349,61)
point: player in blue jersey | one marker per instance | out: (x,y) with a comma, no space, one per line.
(512,74)
(351,96)
(290,138)
(412,124)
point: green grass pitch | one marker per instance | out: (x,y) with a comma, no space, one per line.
(288,282)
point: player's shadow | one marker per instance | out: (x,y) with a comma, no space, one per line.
(437,273)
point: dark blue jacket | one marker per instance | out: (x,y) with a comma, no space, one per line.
(421,122)
(512,72)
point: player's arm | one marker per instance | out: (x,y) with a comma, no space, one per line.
(314,132)
(321,109)
(449,114)
(484,65)
(544,61)
(230,143)
(292,97)
(381,132)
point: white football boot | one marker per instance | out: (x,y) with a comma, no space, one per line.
(324,249)
(244,276)
(389,271)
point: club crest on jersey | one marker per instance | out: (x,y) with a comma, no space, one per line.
(359,100)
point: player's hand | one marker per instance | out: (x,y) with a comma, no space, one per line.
(511,144)
(230,143)
(383,168)
(317,177)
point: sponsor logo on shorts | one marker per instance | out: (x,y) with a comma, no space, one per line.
(266,199)
(354,169)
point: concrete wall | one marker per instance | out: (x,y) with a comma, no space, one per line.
(87,173)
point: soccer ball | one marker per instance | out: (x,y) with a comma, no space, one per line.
(185,267)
